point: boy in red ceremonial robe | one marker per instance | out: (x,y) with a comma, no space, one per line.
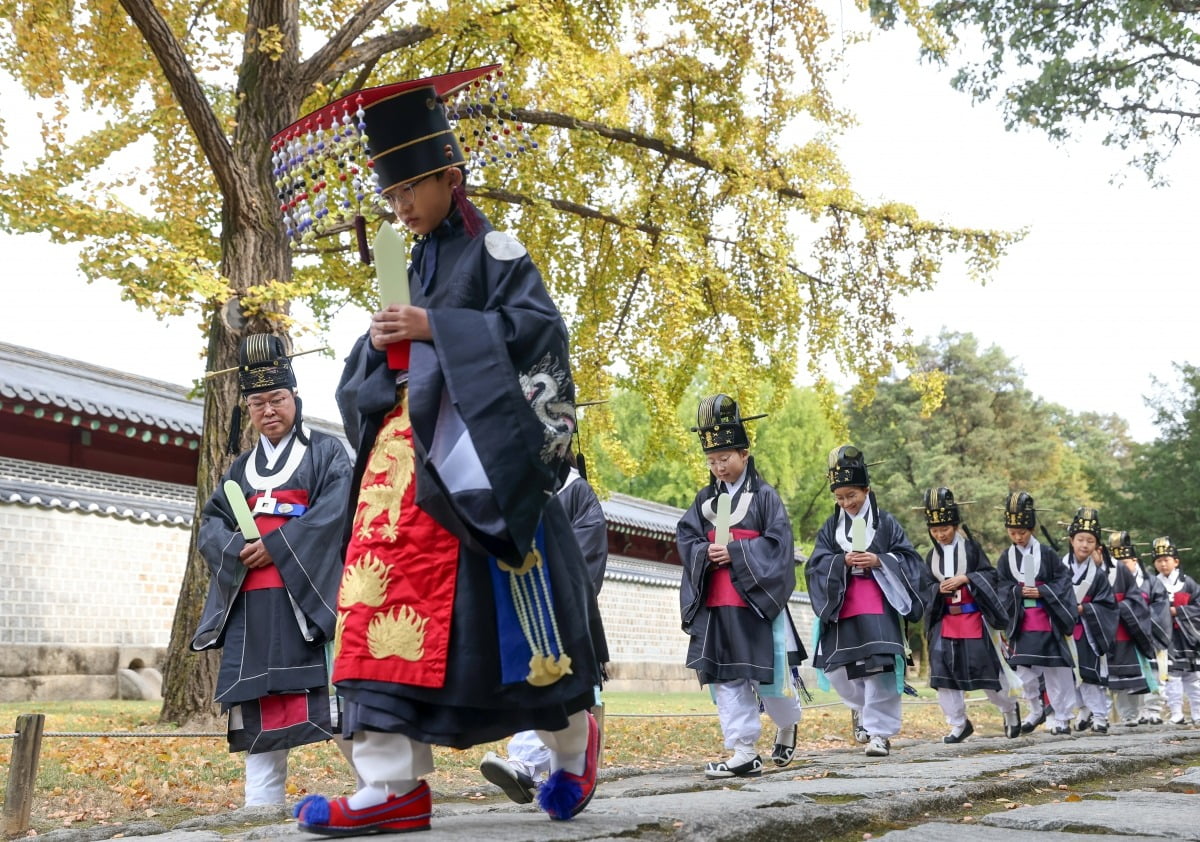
(464,610)
(270,605)
(964,610)
(865,580)
(734,595)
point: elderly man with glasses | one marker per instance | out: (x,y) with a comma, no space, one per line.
(270,606)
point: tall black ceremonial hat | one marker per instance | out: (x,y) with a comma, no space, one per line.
(1120,545)
(940,508)
(1162,547)
(1019,511)
(720,424)
(334,164)
(847,467)
(263,365)
(1086,519)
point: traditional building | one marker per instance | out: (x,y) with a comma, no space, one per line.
(97,501)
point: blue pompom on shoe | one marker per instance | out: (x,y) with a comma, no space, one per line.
(313,809)
(564,794)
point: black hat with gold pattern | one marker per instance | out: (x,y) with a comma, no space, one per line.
(720,424)
(1120,546)
(940,508)
(1086,519)
(1019,511)
(1163,548)
(847,467)
(263,365)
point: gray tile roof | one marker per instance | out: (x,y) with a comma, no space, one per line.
(51,381)
(37,484)
(35,377)
(641,517)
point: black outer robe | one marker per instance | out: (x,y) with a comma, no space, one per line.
(1184,651)
(1038,648)
(865,643)
(1098,625)
(583,509)
(729,643)
(964,663)
(273,641)
(499,354)
(1133,607)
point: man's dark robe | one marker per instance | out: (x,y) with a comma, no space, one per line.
(1037,628)
(1095,631)
(494,384)
(729,611)
(272,624)
(961,653)
(864,641)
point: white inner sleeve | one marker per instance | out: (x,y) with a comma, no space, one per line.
(453,453)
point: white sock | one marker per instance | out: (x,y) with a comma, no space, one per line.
(373,795)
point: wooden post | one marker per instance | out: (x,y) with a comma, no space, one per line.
(22,773)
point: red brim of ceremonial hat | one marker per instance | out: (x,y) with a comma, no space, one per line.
(444,85)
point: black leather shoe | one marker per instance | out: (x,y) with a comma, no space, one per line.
(1099,728)
(1060,730)
(1028,726)
(750,769)
(967,730)
(1084,724)
(518,786)
(785,746)
(860,733)
(1012,723)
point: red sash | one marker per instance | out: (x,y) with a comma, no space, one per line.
(262,578)
(1122,632)
(720,591)
(967,622)
(1036,620)
(863,596)
(1180,598)
(397,593)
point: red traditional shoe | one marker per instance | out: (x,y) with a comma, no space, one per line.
(564,795)
(399,814)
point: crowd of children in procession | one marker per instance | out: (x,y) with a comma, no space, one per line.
(1066,639)
(450,595)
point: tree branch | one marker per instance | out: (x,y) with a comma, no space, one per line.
(369,52)
(190,96)
(317,65)
(586,212)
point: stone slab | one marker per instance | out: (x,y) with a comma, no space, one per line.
(1164,814)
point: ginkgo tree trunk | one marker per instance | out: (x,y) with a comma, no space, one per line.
(685,202)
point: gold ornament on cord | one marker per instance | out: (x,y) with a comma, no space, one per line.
(530,593)
(365,580)
(399,632)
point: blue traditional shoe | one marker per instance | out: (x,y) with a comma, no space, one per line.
(399,814)
(564,794)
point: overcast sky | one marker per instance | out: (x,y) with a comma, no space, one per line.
(1096,301)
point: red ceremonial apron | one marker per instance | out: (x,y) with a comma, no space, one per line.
(397,593)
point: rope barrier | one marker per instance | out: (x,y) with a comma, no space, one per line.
(165,734)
